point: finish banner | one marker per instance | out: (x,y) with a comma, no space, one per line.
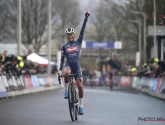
(105,45)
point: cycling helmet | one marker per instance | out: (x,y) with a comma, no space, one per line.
(156,60)
(133,69)
(70,30)
(144,65)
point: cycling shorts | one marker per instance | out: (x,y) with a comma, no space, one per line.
(75,68)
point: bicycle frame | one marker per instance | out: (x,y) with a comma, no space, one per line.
(73,99)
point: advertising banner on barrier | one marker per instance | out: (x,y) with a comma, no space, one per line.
(96,81)
(41,80)
(144,82)
(137,85)
(162,87)
(5,83)
(134,82)
(28,82)
(3,92)
(160,80)
(116,80)
(125,81)
(154,85)
(50,82)
(55,80)
(34,80)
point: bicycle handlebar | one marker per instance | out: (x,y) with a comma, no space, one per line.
(59,76)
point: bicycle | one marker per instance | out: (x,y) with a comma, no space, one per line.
(73,98)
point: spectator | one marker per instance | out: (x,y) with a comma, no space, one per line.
(54,70)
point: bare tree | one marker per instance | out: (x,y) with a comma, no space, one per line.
(2,19)
(35,20)
(4,22)
(68,15)
(146,6)
(110,22)
(101,21)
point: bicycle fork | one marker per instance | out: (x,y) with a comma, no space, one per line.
(75,96)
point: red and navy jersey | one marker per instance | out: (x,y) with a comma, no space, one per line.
(72,49)
(110,75)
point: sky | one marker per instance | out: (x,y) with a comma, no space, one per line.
(91,4)
(86,4)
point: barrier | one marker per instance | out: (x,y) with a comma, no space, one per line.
(35,81)
(11,85)
(96,81)
(152,86)
(28,82)
(3,92)
(125,81)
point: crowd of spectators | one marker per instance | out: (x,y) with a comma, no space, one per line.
(19,65)
(153,68)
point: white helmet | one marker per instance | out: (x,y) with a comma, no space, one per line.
(70,30)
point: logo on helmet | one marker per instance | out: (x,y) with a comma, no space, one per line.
(71,49)
(69,31)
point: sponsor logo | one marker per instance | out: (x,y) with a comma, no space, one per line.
(74,44)
(71,49)
(67,46)
(72,54)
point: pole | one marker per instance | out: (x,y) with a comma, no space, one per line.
(155,45)
(145,54)
(49,36)
(19,27)
(139,45)
(144,34)
(140,40)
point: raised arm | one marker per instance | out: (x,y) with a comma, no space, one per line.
(62,57)
(83,28)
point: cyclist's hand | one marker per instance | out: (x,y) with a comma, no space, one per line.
(87,15)
(60,72)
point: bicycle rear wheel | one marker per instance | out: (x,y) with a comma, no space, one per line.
(71,102)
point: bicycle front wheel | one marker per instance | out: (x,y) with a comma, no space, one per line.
(76,98)
(71,102)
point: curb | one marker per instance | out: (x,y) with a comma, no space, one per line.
(27,91)
(158,95)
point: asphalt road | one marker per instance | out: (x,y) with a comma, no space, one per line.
(101,107)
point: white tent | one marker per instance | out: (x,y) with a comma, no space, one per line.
(36,58)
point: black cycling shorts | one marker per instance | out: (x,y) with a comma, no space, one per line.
(75,68)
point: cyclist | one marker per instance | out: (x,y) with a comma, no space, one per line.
(72,50)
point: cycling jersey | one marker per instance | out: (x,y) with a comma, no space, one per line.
(72,51)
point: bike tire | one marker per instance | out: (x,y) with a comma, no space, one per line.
(76,98)
(76,113)
(71,102)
